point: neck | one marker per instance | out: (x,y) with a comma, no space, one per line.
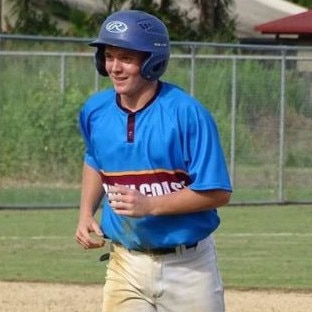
(136,101)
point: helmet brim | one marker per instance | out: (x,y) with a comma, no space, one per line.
(96,43)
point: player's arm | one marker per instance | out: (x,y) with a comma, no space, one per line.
(91,194)
(130,202)
(188,201)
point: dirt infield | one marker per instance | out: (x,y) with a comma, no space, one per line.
(36,297)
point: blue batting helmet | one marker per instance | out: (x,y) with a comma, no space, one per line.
(139,31)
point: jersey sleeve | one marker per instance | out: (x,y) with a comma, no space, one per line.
(85,126)
(207,166)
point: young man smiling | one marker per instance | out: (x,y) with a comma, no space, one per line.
(154,152)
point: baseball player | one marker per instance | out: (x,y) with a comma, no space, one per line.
(154,153)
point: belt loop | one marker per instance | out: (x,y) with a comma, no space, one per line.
(180,249)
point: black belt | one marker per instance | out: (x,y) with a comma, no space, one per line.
(163,251)
(155,251)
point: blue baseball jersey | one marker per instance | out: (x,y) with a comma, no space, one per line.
(169,144)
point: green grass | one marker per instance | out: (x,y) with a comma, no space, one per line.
(266,247)
(39,195)
(258,247)
(39,245)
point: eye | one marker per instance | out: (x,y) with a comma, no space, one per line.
(108,57)
(126,59)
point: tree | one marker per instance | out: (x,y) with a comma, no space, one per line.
(30,20)
(180,26)
(40,17)
(215,20)
(304,3)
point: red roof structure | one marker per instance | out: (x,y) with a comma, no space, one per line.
(299,24)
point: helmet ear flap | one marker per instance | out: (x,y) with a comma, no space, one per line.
(100,60)
(154,67)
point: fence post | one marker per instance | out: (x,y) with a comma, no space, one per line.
(281,167)
(233,118)
(62,78)
(192,75)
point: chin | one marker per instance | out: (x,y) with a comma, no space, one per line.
(120,89)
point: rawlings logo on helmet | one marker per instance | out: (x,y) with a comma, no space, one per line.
(116,27)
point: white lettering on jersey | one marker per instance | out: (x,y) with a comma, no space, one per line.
(154,189)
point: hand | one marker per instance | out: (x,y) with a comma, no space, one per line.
(85,228)
(128,202)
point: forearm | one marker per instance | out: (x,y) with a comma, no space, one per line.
(91,191)
(91,194)
(188,201)
(132,203)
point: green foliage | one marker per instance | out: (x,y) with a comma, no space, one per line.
(39,129)
(53,120)
(31,21)
(258,94)
(39,18)
(258,87)
(40,123)
(177,21)
(216,22)
(217,75)
(304,3)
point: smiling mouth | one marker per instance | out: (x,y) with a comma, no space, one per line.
(119,79)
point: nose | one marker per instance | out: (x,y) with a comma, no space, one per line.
(115,65)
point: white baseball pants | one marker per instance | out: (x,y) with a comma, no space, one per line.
(185,281)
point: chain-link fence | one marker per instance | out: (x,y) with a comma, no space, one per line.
(261,97)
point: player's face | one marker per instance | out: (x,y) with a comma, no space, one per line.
(123,67)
